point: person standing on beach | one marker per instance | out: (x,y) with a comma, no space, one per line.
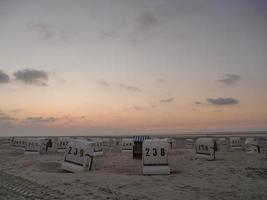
(215,146)
(48,144)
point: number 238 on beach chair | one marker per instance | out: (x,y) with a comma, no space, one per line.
(155,157)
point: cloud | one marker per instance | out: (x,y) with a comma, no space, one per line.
(146,22)
(4,78)
(109,35)
(138,108)
(40,120)
(230,79)
(104,83)
(55,75)
(219,101)
(168,100)
(130,88)
(16,110)
(222,101)
(160,80)
(153,106)
(200,103)
(142,32)
(49,33)
(5,117)
(32,76)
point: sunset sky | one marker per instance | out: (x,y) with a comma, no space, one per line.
(132,66)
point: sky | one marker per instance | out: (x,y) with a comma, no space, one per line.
(126,67)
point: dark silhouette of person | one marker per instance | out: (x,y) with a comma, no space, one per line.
(215,146)
(48,144)
(259,149)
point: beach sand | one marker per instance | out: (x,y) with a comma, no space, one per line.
(233,175)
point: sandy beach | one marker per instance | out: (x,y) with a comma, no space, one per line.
(133,100)
(233,175)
